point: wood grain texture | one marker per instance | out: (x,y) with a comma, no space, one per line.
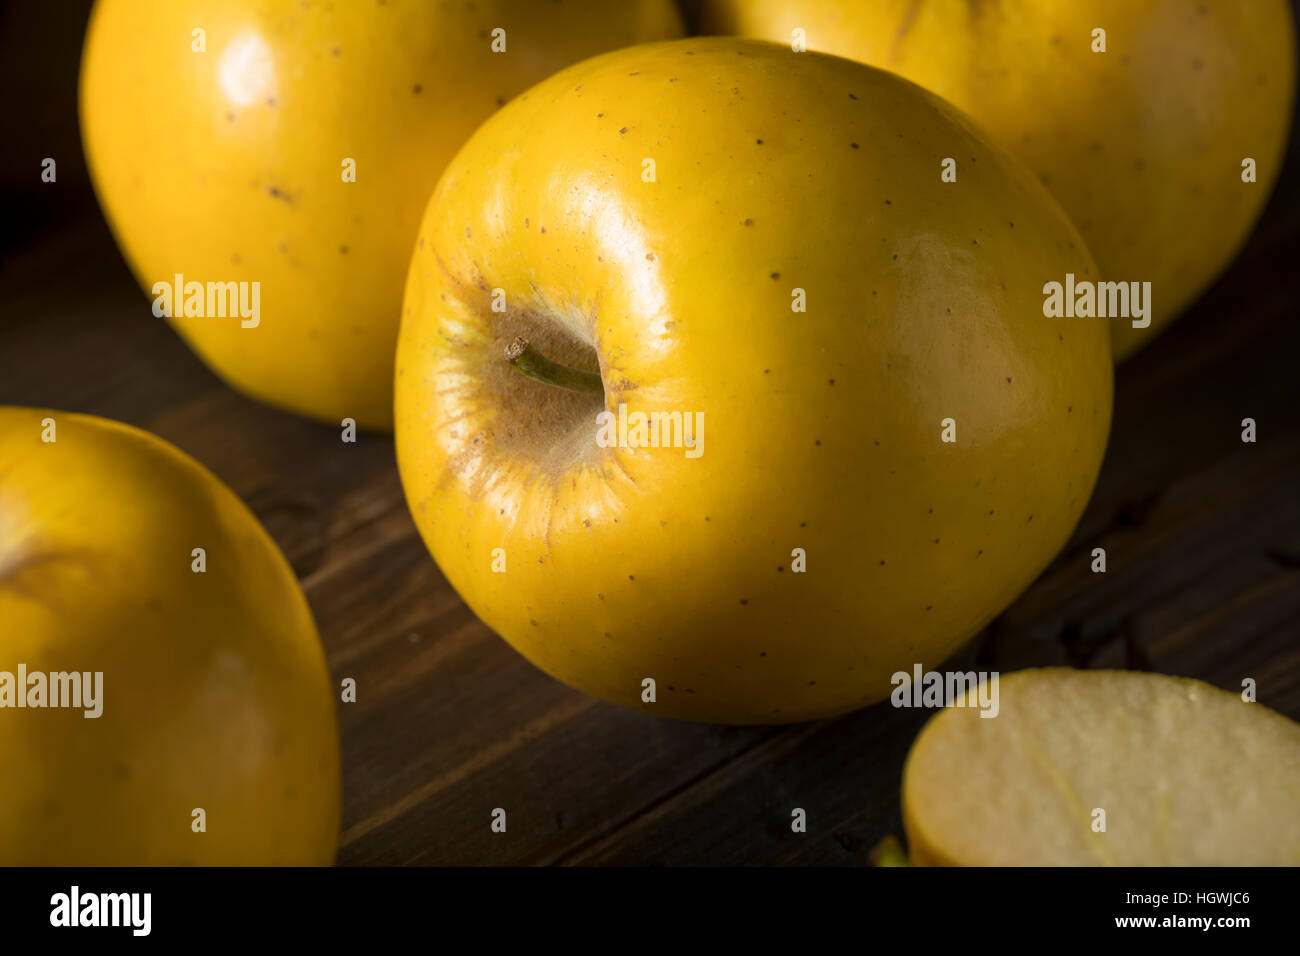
(1202,534)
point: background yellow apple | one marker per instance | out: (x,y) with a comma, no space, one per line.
(1187,774)
(1143,144)
(215,690)
(656,215)
(227,163)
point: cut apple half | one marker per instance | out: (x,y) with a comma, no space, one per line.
(1083,768)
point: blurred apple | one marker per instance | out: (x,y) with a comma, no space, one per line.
(223,137)
(214,694)
(1144,144)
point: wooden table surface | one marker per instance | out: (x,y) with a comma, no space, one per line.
(1202,534)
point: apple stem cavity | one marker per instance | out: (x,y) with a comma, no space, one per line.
(534,364)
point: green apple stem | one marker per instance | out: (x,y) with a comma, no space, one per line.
(889,852)
(534,364)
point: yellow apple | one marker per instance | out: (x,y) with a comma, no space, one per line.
(721,228)
(1178,772)
(1143,143)
(294,145)
(212,692)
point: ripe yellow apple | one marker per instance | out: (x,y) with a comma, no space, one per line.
(762,244)
(1185,774)
(1143,144)
(294,145)
(213,693)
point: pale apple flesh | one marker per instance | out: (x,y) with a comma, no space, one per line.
(1183,774)
(214,693)
(654,216)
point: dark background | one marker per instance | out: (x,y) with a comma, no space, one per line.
(1202,534)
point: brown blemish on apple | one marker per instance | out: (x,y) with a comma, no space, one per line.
(15,568)
(909,17)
